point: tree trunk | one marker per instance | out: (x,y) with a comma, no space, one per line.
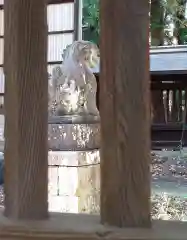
(125,113)
(26,104)
(180,28)
(157,23)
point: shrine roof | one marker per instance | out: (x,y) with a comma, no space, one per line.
(166,60)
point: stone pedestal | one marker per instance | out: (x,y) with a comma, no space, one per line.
(74,164)
(74,181)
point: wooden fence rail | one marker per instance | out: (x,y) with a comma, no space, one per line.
(169,99)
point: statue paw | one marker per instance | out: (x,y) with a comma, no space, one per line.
(94,113)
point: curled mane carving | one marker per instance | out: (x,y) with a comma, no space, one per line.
(73,90)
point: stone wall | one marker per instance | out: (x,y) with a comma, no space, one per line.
(74,180)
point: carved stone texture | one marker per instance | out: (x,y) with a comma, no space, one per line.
(73,90)
(73,137)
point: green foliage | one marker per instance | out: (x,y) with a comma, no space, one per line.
(183,35)
(91,20)
(163,14)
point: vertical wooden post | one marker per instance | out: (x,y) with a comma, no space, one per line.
(78,19)
(125,113)
(158,106)
(26,94)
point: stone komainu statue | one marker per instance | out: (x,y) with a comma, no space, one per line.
(73,85)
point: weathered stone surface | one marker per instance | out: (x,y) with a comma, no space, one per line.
(74,181)
(74,137)
(53,181)
(88,189)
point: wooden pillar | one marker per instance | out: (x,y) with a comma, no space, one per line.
(125,113)
(26,94)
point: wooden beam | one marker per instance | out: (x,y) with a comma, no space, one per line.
(84,226)
(59,1)
(26,100)
(125,113)
(60,32)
